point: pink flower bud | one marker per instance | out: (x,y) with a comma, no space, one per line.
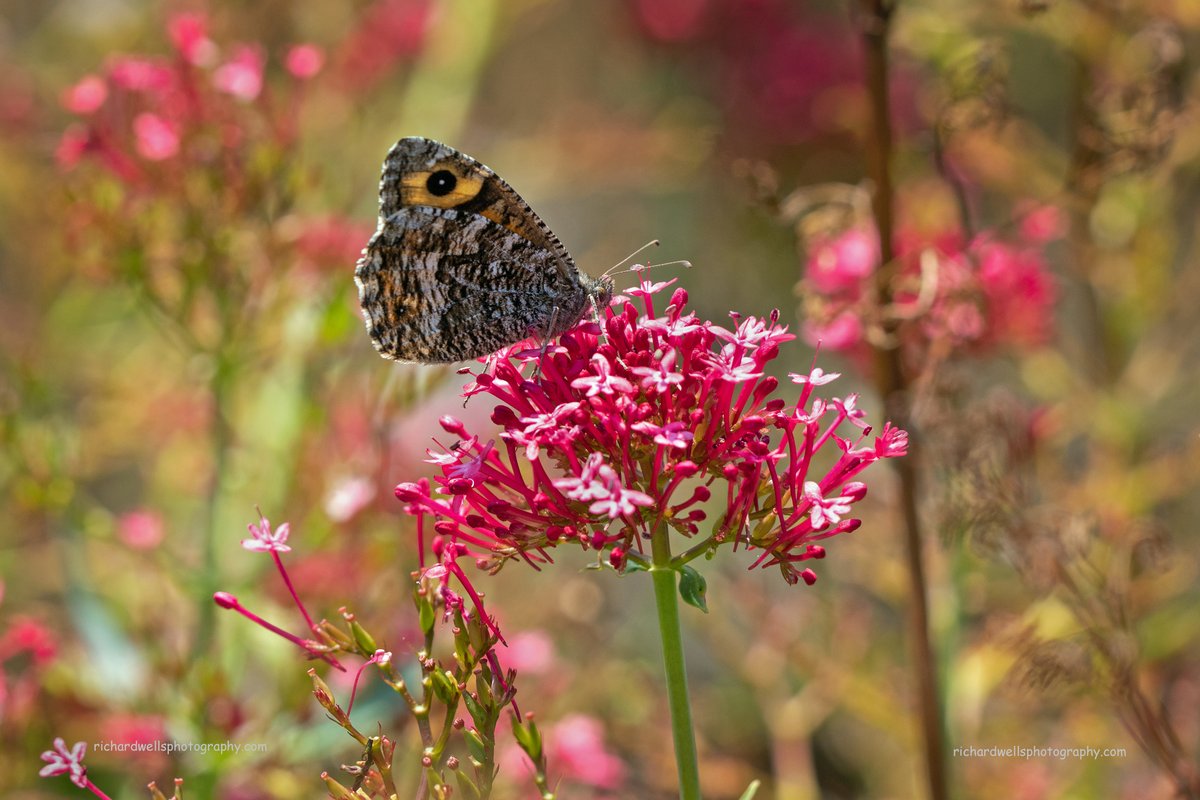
(85,96)
(304,61)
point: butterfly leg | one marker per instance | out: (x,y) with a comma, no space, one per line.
(537,368)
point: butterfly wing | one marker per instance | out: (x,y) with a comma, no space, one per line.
(441,285)
(460,265)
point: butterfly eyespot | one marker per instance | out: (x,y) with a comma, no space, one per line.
(441,183)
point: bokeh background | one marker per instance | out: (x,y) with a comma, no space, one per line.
(183,194)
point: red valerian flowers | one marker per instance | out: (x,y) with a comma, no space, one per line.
(981,293)
(656,418)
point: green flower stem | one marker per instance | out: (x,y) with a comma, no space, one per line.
(693,552)
(666,598)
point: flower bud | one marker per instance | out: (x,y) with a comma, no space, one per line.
(686,469)
(336,790)
(408,492)
(505,417)
(854,491)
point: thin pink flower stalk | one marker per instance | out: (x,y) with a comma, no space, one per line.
(265,539)
(230,602)
(645,422)
(380,657)
(61,761)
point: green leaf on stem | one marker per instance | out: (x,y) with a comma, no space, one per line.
(444,686)
(528,737)
(635,565)
(693,588)
(466,785)
(475,745)
(426,613)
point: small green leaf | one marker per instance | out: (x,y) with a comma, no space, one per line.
(444,686)
(364,640)
(475,745)
(425,613)
(528,737)
(466,785)
(693,588)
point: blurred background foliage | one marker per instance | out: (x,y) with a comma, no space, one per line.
(181,342)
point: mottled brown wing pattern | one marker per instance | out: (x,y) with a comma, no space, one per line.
(460,266)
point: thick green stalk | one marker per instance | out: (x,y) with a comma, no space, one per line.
(221,442)
(666,599)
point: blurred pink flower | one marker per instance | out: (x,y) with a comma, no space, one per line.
(155,138)
(242,75)
(72,146)
(140,74)
(304,60)
(188,31)
(672,20)
(27,636)
(1020,294)
(329,240)
(141,530)
(1041,224)
(843,263)
(133,728)
(137,729)
(531,652)
(388,32)
(575,745)
(348,497)
(982,293)
(86,96)
(843,332)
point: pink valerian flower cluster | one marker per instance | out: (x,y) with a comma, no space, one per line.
(786,72)
(388,33)
(656,419)
(216,124)
(949,294)
(27,648)
(146,113)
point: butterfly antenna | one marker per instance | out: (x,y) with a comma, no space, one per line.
(626,259)
(644,267)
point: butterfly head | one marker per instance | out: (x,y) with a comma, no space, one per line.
(600,291)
